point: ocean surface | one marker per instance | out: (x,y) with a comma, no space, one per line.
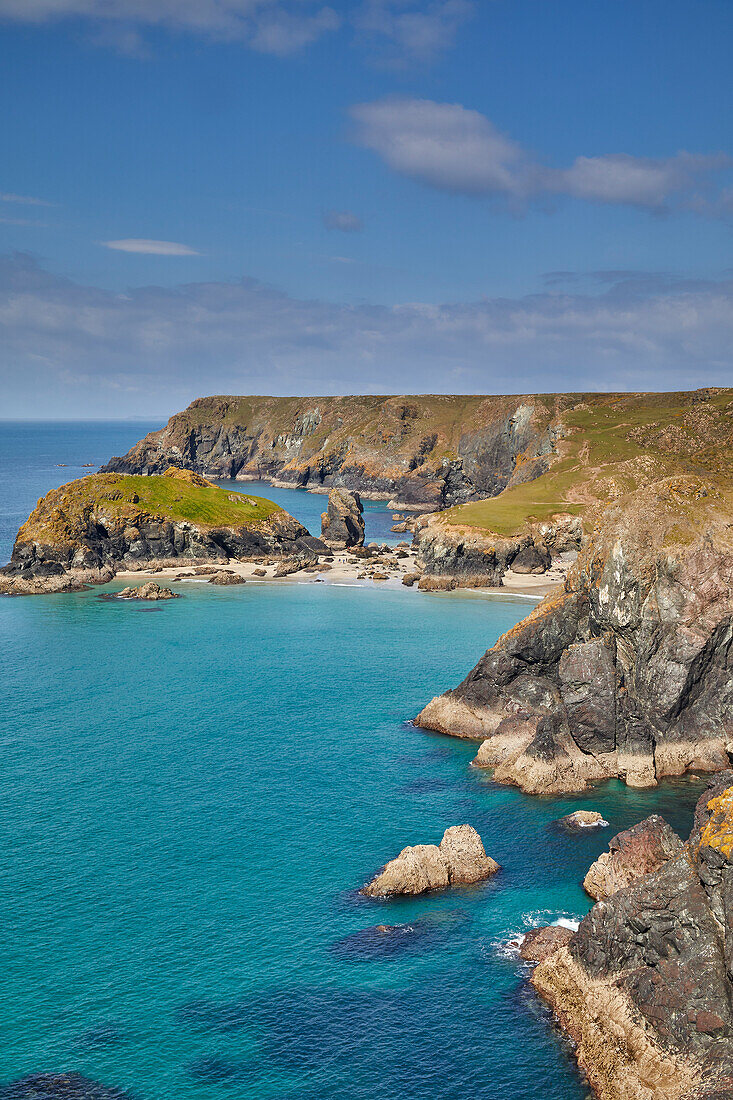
(191,794)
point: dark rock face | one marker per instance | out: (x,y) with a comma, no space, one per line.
(626,672)
(59,1086)
(342,524)
(530,560)
(644,986)
(413,449)
(631,855)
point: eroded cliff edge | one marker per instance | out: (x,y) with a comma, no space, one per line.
(628,670)
(644,986)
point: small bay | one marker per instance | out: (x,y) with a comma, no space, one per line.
(191,794)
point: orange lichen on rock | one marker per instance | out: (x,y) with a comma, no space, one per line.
(718,833)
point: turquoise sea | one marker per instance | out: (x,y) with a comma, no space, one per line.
(191,794)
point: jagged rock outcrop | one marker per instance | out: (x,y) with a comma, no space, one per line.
(458,860)
(631,855)
(628,671)
(342,524)
(475,558)
(644,986)
(581,819)
(432,450)
(87,530)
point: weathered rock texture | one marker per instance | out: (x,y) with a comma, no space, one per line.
(631,855)
(475,558)
(87,530)
(458,860)
(628,670)
(644,986)
(422,450)
(581,819)
(149,591)
(342,524)
(539,943)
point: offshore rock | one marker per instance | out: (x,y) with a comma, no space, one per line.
(149,591)
(539,943)
(632,854)
(582,819)
(643,987)
(627,671)
(342,524)
(459,860)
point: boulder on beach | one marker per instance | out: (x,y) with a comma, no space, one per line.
(149,591)
(632,854)
(342,524)
(530,561)
(539,943)
(459,860)
(582,819)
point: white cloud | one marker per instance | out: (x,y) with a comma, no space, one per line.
(23,200)
(410,29)
(271,26)
(151,248)
(452,148)
(159,346)
(343,220)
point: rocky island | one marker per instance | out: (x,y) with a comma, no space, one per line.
(89,529)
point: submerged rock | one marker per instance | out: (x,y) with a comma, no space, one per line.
(459,860)
(59,1086)
(632,854)
(643,987)
(149,591)
(342,524)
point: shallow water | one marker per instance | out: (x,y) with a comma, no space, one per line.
(191,793)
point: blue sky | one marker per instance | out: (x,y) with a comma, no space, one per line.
(386,195)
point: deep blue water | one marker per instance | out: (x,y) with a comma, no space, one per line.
(190,794)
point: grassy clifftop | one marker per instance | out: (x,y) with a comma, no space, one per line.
(612,445)
(177,495)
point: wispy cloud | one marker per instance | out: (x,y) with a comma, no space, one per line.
(410,30)
(23,200)
(456,149)
(163,345)
(271,26)
(151,248)
(346,221)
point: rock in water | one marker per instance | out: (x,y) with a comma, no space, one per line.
(632,854)
(225,577)
(459,860)
(643,987)
(539,943)
(149,591)
(342,524)
(582,819)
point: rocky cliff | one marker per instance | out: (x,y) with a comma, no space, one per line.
(644,986)
(628,670)
(86,530)
(430,451)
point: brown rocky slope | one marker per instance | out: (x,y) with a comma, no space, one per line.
(628,671)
